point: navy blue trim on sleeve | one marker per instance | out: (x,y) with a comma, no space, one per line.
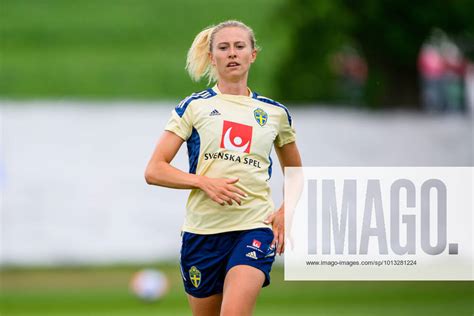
(183,105)
(258,97)
(270,167)
(194,146)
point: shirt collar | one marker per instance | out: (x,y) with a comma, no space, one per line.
(216,89)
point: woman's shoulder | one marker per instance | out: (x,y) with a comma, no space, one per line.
(184,103)
(272,102)
(204,94)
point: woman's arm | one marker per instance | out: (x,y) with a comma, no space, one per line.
(160,172)
(289,156)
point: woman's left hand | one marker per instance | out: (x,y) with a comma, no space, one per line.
(277,219)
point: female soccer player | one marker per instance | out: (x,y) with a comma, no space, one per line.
(228,244)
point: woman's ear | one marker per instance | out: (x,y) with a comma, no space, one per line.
(254,56)
(211,58)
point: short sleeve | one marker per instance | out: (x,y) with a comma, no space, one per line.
(286,132)
(180,125)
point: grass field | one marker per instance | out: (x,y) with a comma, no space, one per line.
(104,291)
(133,49)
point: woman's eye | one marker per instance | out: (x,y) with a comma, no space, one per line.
(222,47)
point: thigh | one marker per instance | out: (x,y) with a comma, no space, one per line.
(241,288)
(248,270)
(208,306)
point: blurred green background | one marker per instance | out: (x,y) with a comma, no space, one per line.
(136,49)
(119,49)
(104,291)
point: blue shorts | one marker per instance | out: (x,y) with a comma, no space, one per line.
(206,259)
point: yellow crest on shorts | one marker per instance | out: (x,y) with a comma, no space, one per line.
(195,276)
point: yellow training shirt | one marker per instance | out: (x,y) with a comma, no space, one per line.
(230,136)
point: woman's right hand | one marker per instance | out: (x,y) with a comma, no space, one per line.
(221,190)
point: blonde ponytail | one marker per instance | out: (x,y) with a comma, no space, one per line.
(198,63)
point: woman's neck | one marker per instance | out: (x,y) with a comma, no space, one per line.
(235,88)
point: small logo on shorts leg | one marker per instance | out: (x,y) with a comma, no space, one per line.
(252,255)
(195,276)
(256,243)
(270,251)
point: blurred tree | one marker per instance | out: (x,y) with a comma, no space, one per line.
(389,35)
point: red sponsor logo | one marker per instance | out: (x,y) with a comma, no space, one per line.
(256,243)
(236,137)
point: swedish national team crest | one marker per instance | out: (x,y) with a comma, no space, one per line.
(260,116)
(195,276)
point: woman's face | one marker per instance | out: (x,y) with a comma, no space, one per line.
(232,53)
